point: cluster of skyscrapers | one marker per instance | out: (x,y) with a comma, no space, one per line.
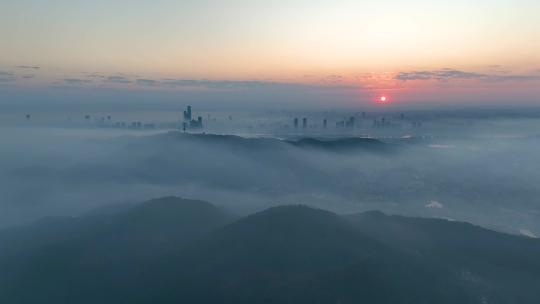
(348,123)
(189,122)
(356,121)
(304,122)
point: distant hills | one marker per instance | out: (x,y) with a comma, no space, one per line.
(342,144)
(173,250)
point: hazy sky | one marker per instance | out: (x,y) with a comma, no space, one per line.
(410,50)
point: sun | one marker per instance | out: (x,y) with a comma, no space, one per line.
(383,99)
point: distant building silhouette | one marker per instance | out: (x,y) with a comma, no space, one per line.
(136,125)
(304,122)
(187,113)
(346,123)
(296,122)
(325,123)
(350,123)
(196,124)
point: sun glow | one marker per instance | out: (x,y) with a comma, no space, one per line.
(383,100)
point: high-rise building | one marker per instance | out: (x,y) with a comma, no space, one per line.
(304,122)
(296,122)
(187,113)
(196,124)
(325,123)
(350,123)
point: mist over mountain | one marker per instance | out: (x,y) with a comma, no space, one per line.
(174,250)
(50,172)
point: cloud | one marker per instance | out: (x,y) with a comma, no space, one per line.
(76,81)
(117,79)
(441,75)
(73,81)
(499,69)
(448,74)
(219,84)
(28,76)
(94,75)
(503,78)
(528,233)
(434,205)
(334,79)
(148,82)
(7,79)
(6,76)
(248,84)
(439,146)
(33,67)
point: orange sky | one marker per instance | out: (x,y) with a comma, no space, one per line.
(372,45)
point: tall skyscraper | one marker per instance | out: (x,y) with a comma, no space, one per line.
(187,114)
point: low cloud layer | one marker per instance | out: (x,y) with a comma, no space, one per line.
(74,81)
(446,74)
(62,172)
(28,67)
(118,79)
(7,76)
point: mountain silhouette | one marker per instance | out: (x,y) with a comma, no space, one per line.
(173,250)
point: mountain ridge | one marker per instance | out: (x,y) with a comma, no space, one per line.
(172,250)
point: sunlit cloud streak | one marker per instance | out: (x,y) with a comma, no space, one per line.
(32,67)
(118,79)
(448,74)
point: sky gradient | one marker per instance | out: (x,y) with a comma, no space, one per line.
(418,50)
